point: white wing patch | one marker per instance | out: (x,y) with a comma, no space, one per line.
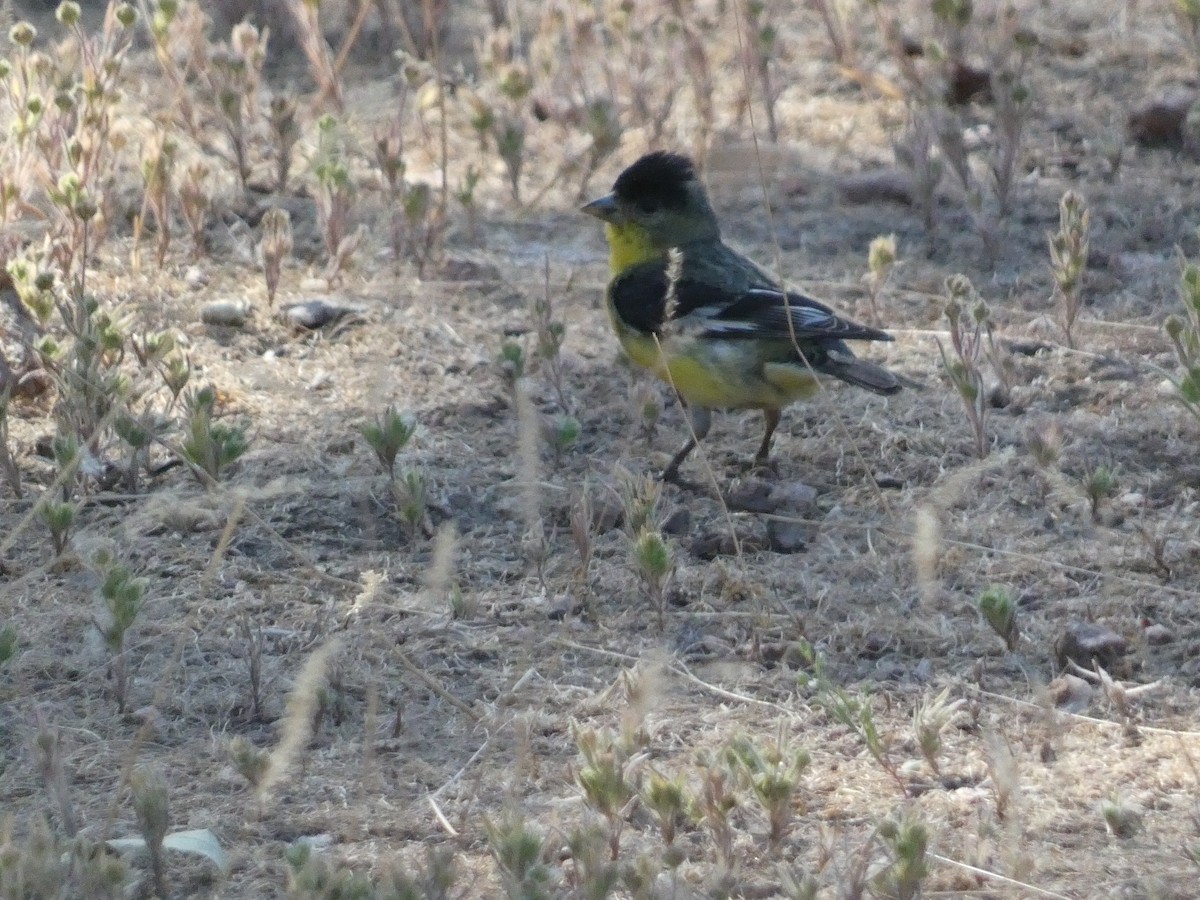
(723,326)
(703,319)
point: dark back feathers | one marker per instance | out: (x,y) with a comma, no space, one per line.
(640,298)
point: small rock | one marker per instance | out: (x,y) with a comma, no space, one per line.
(875,645)
(1159,123)
(912,46)
(678,522)
(230,313)
(33,384)
(796,498)
(148,716)
(1028,348)
(787,653)
(721,543)
(313,314)
(968,83)
(877,186)
(1070,693)
(1085,642)
(561,609)
(888,481)
(785,536)
(1158,634)
(713,544)
(195,277)
(322,381)
(457,269)
(678,598)
(751,495)
(316,841)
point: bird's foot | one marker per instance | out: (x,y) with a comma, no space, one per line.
(763,465)
(671,475)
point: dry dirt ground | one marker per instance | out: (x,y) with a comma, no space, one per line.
(435,724)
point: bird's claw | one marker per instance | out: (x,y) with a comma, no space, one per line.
(672,476)
(763,465)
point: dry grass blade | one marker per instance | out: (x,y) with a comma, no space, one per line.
(295,728)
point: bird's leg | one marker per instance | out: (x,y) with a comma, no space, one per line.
(771,419)
(701,419)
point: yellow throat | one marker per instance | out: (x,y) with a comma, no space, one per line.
(628,245)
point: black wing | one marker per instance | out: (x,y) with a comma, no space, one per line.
(770,313)
(640,297)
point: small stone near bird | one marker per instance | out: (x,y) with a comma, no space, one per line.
(314,314)
(1085,642)
(227,312)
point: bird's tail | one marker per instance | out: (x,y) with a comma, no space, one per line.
(861,373)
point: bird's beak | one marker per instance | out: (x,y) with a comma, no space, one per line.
(603,208)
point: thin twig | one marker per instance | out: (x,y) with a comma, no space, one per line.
(441,817)
(459,774)
(435,687)
(1107,723)
(680,669)
(996,876)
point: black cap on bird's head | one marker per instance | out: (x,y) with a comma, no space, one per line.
(662,193)
(657,179)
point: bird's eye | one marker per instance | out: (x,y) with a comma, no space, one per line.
(646,204)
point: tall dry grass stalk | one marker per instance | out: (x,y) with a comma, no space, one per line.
(441,567)
(926,550)
(529,457)
(296,726)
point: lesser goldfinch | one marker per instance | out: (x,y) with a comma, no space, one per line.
(716,326)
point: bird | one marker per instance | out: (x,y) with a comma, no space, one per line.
(719,328)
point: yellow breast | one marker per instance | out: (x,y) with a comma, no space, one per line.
(717,374)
